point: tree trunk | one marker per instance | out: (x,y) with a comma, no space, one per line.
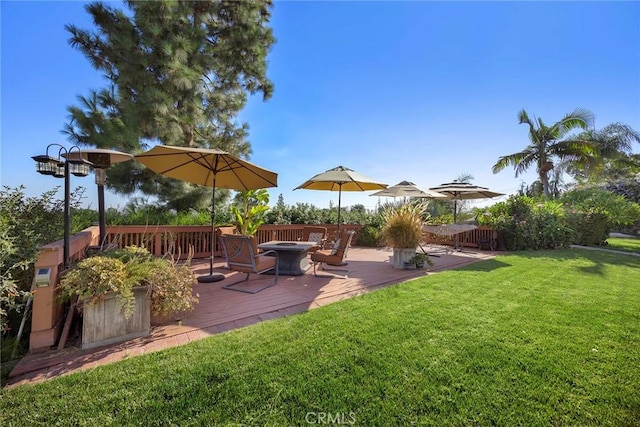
(544,179)
(543,173)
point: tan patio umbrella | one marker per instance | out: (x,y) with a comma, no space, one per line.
(409,189)
(210,168)
(341,179)
(464,191)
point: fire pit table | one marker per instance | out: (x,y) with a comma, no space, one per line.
(292,256)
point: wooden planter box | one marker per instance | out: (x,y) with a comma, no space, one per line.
(402,255)
(104,323)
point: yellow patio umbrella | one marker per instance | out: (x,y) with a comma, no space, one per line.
(210,168)
(341,179)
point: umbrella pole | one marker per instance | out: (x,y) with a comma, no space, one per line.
(339,200)
(212,277)
(339,235)
(455,207)
(213,228)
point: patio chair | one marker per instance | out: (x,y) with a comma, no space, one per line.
(241,253)
(314,234)
(335,256)
(219,232)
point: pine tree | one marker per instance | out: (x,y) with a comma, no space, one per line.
(179,73)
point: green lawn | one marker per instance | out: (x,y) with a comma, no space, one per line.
(533,338)
(629,244)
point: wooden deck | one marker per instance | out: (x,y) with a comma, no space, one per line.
(221,310)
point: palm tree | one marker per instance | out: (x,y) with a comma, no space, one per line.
(616,159)
(547,144)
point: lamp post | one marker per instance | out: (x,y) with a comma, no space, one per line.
(60,168)
(100,160)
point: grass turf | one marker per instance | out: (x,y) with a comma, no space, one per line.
(533,338)
(626,244)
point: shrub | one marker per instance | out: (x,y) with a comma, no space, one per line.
(26,223)
(12,298)
(170,285)
(128,254)
(619,211)
(529,223)
(95,277)
(369,236)
(591,228)
(120,270)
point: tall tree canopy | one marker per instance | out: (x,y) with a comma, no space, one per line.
(616,160)
(179,73)
(550,143)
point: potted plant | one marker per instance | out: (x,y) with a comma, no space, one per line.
(112,310)
(420,259)
(402,230)
(169,284)
(120,290)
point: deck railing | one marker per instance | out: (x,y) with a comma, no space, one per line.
(481,233)
(179,241)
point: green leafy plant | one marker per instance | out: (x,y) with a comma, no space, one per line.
(369,236)
(12,298)
(402,226)
(250,210)
(26,223)
(581,216)
(169,284)
(420,259)
(530,223)
(618,210)
(119,271)
(94,278)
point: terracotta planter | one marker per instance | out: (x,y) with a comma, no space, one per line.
(104,322)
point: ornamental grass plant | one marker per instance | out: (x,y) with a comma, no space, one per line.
(402,224)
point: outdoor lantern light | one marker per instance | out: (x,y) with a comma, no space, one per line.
(46,165)
(61,168)
(78,167)
(60,171)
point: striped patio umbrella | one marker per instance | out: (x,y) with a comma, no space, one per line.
(464,191)
(409,189)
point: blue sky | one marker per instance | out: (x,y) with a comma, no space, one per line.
(418,91)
